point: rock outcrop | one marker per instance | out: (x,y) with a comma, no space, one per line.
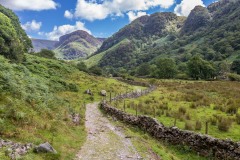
(15,150)
(199,17)
(44,148)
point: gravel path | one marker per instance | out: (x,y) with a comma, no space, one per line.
(104,141)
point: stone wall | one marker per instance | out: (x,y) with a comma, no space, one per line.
(203,144)
(134,94)
(135,83)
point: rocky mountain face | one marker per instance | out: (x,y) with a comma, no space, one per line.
(124,47)
(78,44)
(157,25)
(199,17)
(212,32)
(39,44)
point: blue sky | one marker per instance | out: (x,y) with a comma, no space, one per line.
(50,19)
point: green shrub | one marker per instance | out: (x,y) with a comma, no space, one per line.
(213,121)
(198,125)
(182,110)
(224,124)
(188,125)
(233,77)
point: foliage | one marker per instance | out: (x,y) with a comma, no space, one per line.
(224,124)
(233,77)
(10,45)
(21,34)
(165,68)
(212,33)
(144,69)
(236,66)
(82,66)
(95,70)
(46,54)
(200,69)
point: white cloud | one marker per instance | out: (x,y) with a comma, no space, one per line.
(91,10)
(36,5)
(185,7)
(68,14)
(59,31)
(32,26)
(134,15)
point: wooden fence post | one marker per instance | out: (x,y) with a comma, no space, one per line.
(206,131)
(175,122)
(110,97)
(136,110)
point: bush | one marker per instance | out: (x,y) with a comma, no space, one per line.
(224,124)
(182,110)
(213,121)
(188,126)
(82,66)
(46,54)
(198,125)
(233,77)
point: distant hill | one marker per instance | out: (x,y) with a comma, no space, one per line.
(212,32)
(39,44)
(78,44)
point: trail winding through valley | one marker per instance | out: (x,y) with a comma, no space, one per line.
(105,141)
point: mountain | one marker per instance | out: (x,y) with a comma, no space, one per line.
(212,32)
(39,44)
(78,44)
(126,45)
(199,17)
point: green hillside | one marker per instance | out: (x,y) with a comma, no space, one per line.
(211,33)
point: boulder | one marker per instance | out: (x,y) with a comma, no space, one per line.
(88,91)
(103,93)
(44,148)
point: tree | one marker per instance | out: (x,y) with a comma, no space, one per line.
(200,69)
(82,66)
(144,70)
(10,46)
(21,34)
(95,70)
(46,54)
(236,66)
(165,68)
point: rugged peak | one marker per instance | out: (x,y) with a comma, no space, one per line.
(216,5)
(199,17)
(77,44)
(77,34)
(157,25)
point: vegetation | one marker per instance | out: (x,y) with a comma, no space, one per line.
(191,104)
(212,33)
(21,35)
(37,97)
(10,45)
(46,54)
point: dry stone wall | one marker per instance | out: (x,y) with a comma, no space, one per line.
(203,144)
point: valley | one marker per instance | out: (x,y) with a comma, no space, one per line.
(166,86)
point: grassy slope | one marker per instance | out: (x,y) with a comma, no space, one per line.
(36,98)
(94,60)
(77,46)
(211,100)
